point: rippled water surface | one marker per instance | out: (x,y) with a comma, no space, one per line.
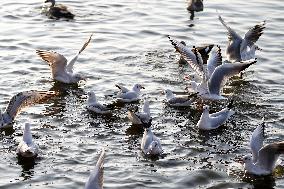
(130,46)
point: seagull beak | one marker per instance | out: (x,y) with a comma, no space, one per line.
(45,1)
(142,87)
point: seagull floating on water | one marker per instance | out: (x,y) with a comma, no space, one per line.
(264,158)
(27,148)
(179,101)
(216,73)
(20,101)
(213,121)
(150,144)
(140,118)
(59,11)
(240,49)
(61,70)
(95,106)
(127,95)
(96,178)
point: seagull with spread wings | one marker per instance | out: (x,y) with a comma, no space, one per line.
(214,75)
(20,101)
(240,49)
(264,158)
(61,70)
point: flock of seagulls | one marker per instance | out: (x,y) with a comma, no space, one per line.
(210,70)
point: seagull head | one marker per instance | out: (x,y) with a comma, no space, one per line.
(51,1)
(91,97)
(206,108)
(247,159)
(137,87)
(169,94)
(155,148)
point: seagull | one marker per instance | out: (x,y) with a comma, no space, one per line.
(195,5)
(216,73)
(61,70)
(127,95)
(150,144)
(59,11)
(240,49)
(20,101)
(27,148)
(95,106)
(181,101)
(264,158)
(140,118)
(96,178)
(213,121)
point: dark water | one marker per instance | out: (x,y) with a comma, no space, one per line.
(130,46)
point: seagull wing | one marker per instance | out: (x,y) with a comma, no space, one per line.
(122,88)
(268,155)
(96,179)
(256,140)
(232,35)
(215,59)
(70,64)
(254,33)
(194,58)
(225,71)
(56,61)
(24,99)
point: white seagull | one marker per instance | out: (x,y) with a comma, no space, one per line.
(264,158)
(215,74)
(20,101)
(61,70)
(27,148)
(140,118)
(179,101)
(150,144)
(127,95)
(95,106)
(96,178)
(213,121)
(240,49)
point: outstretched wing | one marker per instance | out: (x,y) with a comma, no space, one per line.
(268,155)
(24,99)
(215,59)
(232,35)
(254,33)
(225,71)
(96,178)
(70,65)
(256,140)
(193,58)
(56,61)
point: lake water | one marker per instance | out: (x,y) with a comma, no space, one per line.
(130,46)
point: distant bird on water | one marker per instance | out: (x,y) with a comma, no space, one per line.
(20,101)
(241,49)
(61,70)
(59,11)
(195,5)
